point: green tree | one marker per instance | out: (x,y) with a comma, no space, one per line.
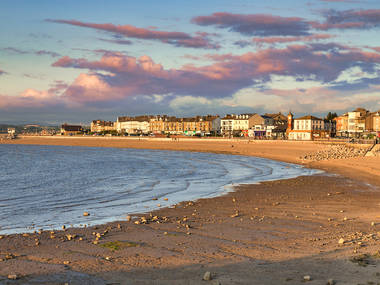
(330,116)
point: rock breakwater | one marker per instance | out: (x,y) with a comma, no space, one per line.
(336,152)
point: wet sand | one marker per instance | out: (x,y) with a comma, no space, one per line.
(271,233)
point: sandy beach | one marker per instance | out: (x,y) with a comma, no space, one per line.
(281,232)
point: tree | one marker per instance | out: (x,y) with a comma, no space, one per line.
(330,116)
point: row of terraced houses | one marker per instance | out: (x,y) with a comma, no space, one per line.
(357,123)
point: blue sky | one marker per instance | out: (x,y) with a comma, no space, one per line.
(74,61)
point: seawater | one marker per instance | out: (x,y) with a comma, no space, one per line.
(50,186)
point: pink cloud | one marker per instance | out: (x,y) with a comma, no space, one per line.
(341,1)
(256,24)
(129,76)
(175,38)
(349,19)
(30,98)
(274,40)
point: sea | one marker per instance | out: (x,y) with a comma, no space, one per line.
(45,187)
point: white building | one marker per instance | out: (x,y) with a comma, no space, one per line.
(231,124)
(307,128)
(356,121)
(133,125)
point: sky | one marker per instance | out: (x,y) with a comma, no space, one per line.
(77,61)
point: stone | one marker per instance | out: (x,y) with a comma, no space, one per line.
(12,277)
(207,276)
(331,282)
(86,214)
(341,241)
(307,278)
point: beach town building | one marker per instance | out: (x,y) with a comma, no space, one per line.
(309,128)
(356,122)
(70,130)
(11,131)
(199,125)
(99,126)
(262,125)
(207,125)
(342,125)
(233,124)
(163,124)
(133,125)
(376,123)
(278,129)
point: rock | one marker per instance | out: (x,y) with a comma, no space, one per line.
(207,276)
(307,278)
(341,241)
(331,282)
(373,224)
(86,214)
(12,276)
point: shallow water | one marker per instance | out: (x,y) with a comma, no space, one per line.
(49,186)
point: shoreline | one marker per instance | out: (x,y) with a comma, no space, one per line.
(273,232)
(364,169)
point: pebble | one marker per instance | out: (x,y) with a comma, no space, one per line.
(207,276)
(307,278)
(12,276)
(86,214)
(331,282)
